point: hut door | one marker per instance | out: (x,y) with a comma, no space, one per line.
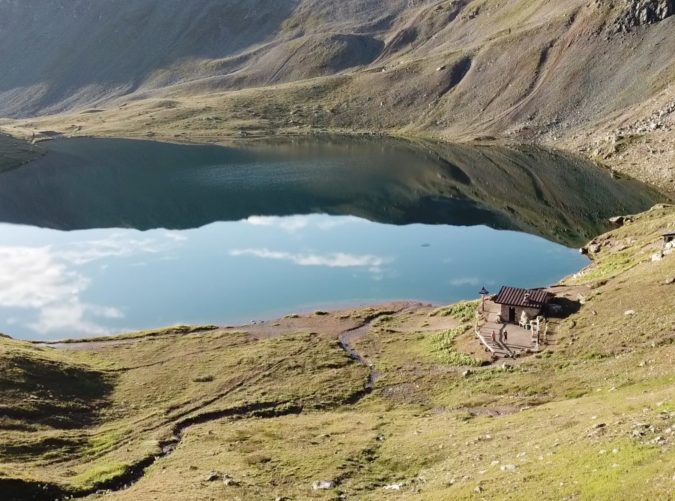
(512,315)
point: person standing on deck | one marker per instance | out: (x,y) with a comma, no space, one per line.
(506,336)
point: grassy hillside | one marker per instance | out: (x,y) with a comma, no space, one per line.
(406,411)
(591,76)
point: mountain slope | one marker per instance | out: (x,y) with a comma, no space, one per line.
(62,54)
(596,76)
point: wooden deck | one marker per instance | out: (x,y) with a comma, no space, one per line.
(518,341)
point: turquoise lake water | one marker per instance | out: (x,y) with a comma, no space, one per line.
(104,236)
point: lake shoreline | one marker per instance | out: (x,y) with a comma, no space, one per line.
(322,320)
(310,320)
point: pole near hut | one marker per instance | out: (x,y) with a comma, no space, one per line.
(483,294)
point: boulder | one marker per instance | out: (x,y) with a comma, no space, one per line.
(230,482)
(212,476)
(393,487)
(617,220)
(594,248)
(643,12)
(323,485)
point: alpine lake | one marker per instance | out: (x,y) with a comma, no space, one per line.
(101,236)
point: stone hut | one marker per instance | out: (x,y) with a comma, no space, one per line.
(514,302)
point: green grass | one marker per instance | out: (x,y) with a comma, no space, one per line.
(149,333)
(102,442)
(99,473)
(609,267)
(443,345)
(464,311)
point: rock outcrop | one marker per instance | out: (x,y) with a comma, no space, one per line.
(644,12)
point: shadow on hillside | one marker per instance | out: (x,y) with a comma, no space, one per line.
(562,307)
(40,392)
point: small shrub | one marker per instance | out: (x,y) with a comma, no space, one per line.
(383,319)
(443,344)
(100,473)
(464,311)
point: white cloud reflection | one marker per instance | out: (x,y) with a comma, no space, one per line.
(459,282)
(333,260)
(33,278)
(50,280)
(293,224)
(290,224)
(115,245)
(75,317)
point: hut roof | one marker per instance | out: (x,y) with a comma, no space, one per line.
(527,298)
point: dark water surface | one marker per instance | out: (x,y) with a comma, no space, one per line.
(101,236)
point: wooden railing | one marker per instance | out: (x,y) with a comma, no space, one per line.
(488,346)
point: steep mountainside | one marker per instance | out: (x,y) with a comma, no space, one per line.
(597,76)
(62,53)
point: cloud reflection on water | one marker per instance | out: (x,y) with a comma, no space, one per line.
(293,224)
(56,284)
(50,280)
(333,260)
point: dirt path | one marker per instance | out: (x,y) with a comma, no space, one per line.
(347,338)
(137,471)
(348,330)
(262,410)
(88,345)
(134,473)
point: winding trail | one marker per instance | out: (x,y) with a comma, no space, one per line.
(17,489)
(262,410)
(20,489)
(24,490)
(346,338)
